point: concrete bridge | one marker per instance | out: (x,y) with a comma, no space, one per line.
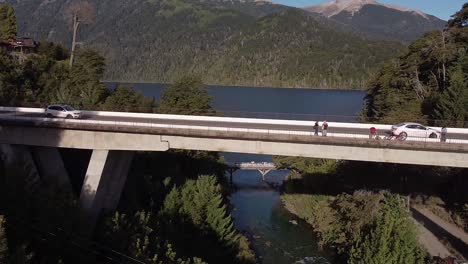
(114,136)
(263,167)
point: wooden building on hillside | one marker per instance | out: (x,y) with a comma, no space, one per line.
(22,45)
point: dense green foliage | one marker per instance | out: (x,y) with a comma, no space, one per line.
(44,77)
(125,99)
(165,201)
(199,204)
(226,42)
(392,239)
(85,89)
(7,22)
(364,227)
(315,190)
(137,236)
(186,96)
(428,83)
(10,93)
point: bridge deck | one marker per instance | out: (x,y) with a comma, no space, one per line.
(249,136)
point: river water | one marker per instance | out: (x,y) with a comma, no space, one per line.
(277,236)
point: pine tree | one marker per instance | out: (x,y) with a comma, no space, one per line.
(3,241)
(10,86)
(7,22)
(84,82)
(200,203)
(126,99)
(209,191)
(186,96)
(452,107)
(392,240)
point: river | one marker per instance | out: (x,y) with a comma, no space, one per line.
(276,235)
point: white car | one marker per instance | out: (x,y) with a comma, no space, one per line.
(404,130)
(60,110)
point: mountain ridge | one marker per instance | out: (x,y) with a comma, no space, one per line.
(337,6)
(378,21)
(231,43)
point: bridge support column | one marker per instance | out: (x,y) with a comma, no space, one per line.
(264,173)
(17,157)
(103,183)
(231,171)
(51,167)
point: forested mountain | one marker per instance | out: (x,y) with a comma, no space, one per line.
(231,43)
(378,21)
(429,82)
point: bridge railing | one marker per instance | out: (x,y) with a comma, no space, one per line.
(227,124)
(145,111)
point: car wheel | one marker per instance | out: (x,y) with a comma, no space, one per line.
(69,116)
(433,135)
(49,115)
(402,136)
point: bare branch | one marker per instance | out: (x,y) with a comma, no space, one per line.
(84,11)
(76,13)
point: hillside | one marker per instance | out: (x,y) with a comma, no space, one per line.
(230,43)
(378,21)
(428,83)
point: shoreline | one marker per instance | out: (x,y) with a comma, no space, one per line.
(214,85)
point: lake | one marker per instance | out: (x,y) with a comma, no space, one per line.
(278,103)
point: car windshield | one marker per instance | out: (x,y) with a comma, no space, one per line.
(399,125)
(68,108)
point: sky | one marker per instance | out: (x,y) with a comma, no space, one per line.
(440,8)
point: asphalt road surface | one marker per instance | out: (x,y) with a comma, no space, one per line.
(331,129)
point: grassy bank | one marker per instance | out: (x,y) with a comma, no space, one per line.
(363,227)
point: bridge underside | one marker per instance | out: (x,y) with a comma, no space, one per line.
(113,150)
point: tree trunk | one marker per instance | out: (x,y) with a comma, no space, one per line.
(76,23)
(443,61)
(420,92)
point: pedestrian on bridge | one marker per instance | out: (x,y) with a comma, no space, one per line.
(443,134)
(373,133)
(316,128)
(324,128)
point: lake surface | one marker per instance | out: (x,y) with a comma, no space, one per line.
(278,103)
(276,235)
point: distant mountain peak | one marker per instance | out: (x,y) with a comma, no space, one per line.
(335,7)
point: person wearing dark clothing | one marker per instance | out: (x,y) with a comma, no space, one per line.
(316,128)
(443,134)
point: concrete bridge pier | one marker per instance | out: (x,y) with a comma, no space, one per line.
(231,171)
(103,183)
(17,157)
(51,167)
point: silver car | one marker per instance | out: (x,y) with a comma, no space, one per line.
(60,110)
(404,130)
